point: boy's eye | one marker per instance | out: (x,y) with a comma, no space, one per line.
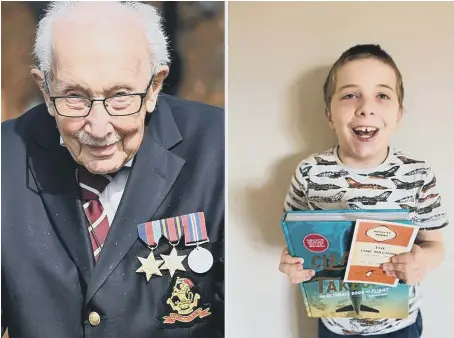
(349,96)
(383,96)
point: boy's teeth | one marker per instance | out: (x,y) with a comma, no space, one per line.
(365,129)
(365,136)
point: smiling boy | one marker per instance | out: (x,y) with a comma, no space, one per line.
(364,106)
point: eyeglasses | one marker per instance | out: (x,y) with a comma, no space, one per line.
(117,105)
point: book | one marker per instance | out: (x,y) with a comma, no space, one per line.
(323,238)
(374,243)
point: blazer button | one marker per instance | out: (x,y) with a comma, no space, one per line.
(94,318)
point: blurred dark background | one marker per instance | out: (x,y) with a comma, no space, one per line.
(196,34)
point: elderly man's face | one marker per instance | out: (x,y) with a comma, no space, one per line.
(98,59)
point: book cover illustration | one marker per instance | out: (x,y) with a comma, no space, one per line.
(374,243)
(323,239)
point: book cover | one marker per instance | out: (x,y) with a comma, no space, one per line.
(374,243)
(323,238)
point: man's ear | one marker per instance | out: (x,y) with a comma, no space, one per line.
(330,118)
(161,74)
(38,76)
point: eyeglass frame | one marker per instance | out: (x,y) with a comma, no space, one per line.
(142,97)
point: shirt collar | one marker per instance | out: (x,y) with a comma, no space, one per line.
(127,164)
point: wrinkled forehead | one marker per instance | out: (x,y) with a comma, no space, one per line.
(366,73)
(92,50)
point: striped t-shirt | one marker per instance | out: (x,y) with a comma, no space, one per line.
(322,181)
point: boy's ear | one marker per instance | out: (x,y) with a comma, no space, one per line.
(400,114)
(330,119)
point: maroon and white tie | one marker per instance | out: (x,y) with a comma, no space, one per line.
(91,188)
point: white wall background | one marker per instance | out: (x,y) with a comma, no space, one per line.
(279,56)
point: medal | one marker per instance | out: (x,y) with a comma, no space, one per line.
(200,260)
(171,230)
(150,233)
(150,266)
(173,262)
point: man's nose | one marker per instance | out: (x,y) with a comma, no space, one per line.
(98,125)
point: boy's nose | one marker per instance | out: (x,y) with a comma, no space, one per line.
(364,112)
(365,109)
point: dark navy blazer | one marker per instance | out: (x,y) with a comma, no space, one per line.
(49,281)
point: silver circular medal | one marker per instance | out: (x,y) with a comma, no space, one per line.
(200,260)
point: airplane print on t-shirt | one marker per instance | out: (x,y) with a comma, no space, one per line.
(333,174)
(357,185)
(429,185)
(305,172)
(322,161)
(419,171)
(408,199)
(428,197)
(407,160)
(407,185)
(383,174)
(371,200)
(329,199)
(319,187)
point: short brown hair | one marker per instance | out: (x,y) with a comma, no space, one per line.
(359,52)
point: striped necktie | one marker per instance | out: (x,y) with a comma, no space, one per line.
(91,187)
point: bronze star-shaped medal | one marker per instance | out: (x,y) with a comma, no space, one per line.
(150,266)
(173,262)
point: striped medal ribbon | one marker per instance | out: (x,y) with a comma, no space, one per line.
(200,260)
(171,229)
(150,233)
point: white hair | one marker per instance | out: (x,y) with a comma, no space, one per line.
(148,15)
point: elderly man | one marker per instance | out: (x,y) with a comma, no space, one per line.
(112,193)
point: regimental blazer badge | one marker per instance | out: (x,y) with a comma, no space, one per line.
(182,304)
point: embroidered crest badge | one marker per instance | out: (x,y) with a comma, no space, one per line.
(182,304)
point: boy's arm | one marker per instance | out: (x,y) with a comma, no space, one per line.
(431,217)
(428,251)
(431,243)
(296,198)
(426,255)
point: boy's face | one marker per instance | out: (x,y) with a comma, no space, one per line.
(365,109)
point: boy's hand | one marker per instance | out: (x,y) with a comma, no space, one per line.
(293,267)
(409,267)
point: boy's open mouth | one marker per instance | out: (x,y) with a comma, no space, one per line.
(365,133)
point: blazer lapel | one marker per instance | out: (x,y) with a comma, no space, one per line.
(154,172)
(52,168)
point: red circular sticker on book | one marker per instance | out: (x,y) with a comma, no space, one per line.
(315,243)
